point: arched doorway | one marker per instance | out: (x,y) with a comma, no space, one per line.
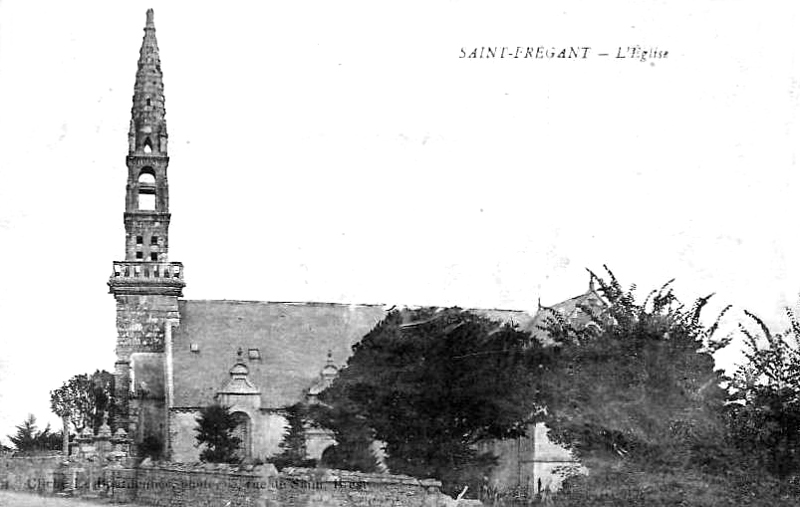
(330,457)
(243,431)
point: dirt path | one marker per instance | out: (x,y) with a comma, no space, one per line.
(14,499)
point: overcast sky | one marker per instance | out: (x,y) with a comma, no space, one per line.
(343,152)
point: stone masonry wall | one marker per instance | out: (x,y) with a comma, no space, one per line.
(48,475)
(303,487)
(210,485)
(178,485)
(268,429)
(182,435)
(36,474)
(140,322)
(524,462)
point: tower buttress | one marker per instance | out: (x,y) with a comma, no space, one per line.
(146,285)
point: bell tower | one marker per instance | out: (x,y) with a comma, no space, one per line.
(147,192)
(146,285)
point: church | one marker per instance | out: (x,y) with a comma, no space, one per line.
(175,356)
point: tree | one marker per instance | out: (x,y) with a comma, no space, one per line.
(354,438)
(639,401)
(641,386)
(25,437)
(431,384)
(215,429)
(152,447)
(29,439)
(84,400)
(293,445)
(765,413)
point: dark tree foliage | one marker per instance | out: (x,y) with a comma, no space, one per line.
(639,401)
(29,439)
(641,386)
(431,384)
(293,445)
(353,436)
(85,400)
(215,430)
(765,415)
(152,447)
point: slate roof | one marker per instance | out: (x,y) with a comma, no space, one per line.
(293,340)
(523,320)
(573,308)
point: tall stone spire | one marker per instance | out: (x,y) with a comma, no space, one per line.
(146,269)
(148,130)
(147,214)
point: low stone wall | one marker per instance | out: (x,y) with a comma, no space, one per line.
(89,478)
(177,485)
(35,474)
(202,485)
(208,485)
(303,487)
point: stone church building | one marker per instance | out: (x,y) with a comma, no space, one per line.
(175,356)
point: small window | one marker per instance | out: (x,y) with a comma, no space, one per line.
(194,348)
(153,256)
(148,101)
(153,240)
(254,354)
(139,255)
(139,240)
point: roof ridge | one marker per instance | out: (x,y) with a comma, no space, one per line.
(498,310)
(316,303)
(370,305)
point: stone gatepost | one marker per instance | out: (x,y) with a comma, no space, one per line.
(102,441)
(121,444)
(85,443)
